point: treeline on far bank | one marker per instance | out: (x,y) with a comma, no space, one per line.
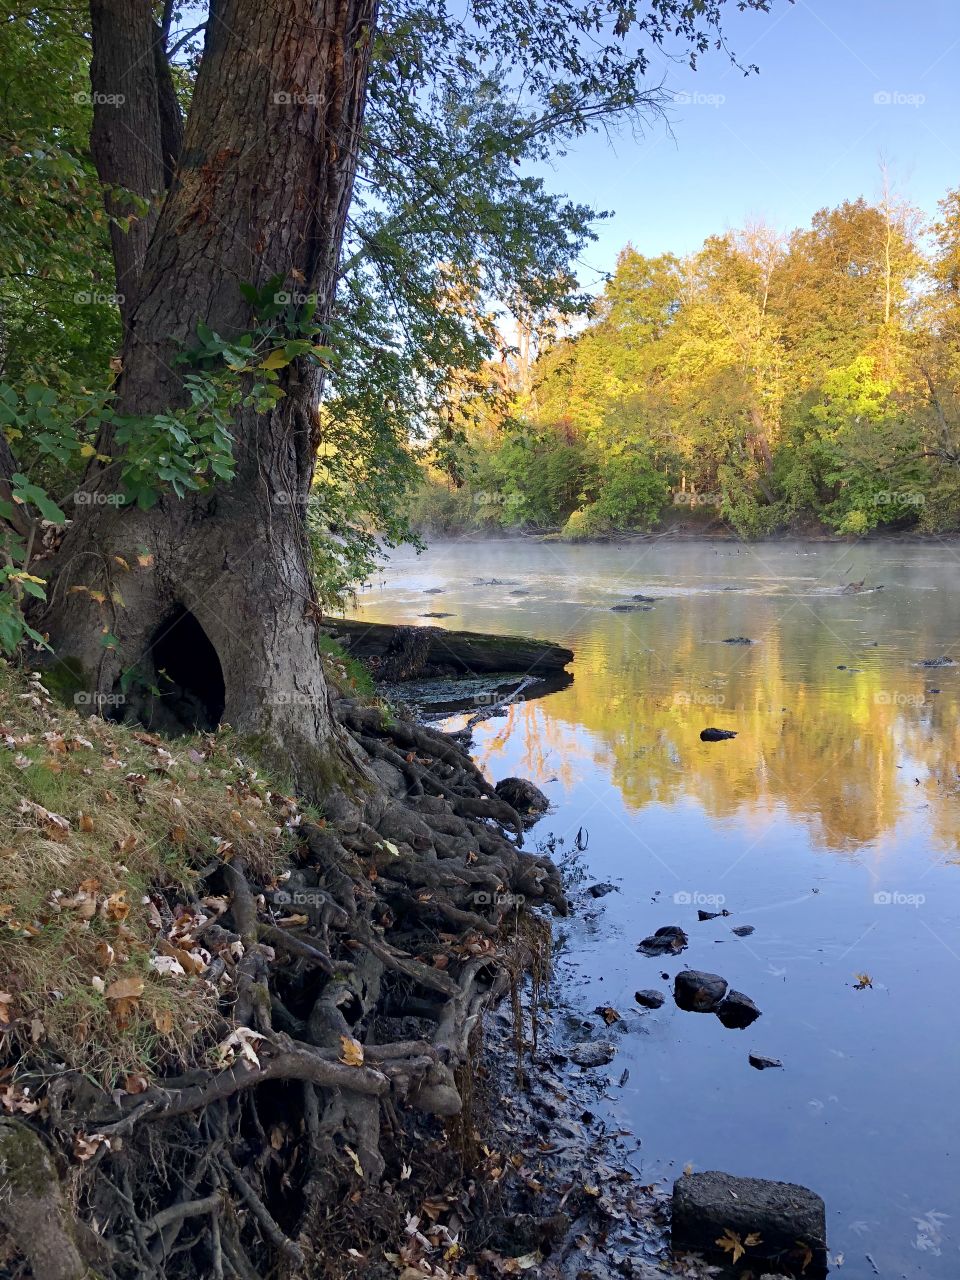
(808,382)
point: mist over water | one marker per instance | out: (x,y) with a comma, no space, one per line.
(831,823)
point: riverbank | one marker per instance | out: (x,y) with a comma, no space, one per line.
(247,1034)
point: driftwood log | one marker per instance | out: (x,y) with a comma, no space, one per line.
(404,653)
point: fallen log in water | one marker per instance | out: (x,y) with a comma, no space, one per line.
(402,653)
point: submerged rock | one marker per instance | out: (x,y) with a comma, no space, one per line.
(592,1053)
(738,640)
(762,1062)
(743,930)
(436,615)
(601,890)
(711,915)
(650,999)
(936,662)
(737,1011)
(716,735)
(698,992)
(522,795)
(785,1223)
(645,599)
(630,608)
(671,939)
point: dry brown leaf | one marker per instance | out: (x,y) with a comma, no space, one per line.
(163,1021)
(85,822)
(116,907)
(125,989)
(351,1051)
(6,1013)
(127,844)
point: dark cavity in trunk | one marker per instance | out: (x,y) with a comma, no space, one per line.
(187,694)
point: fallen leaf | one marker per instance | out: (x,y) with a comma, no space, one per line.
(731,1243)
(351,1051)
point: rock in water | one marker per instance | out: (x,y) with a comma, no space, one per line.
(936,662)
(716,735)
(743,930)
(738,640)
(592,1053)
(785,1222)
(650,999)
(762,1062)
(602,889)
(669,940)
(522,795)
(698,992)
(737,1011)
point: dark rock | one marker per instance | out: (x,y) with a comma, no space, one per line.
(761,1062)
(592,1053)
(711,915)
(436,615)
(520,591)
(649,999)
(601,890)
(737,1011)
(936,662)
(630,608)
(788,1221)
(934,691)
(669,940)
(743,930)
(698,992)
(494,582)
(433,591)
(738,640)
(522,795)
(716,735)
(645,599)
(841,667)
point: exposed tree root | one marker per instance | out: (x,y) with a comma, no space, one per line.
(351,989)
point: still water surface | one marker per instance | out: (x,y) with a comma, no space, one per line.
(831,824)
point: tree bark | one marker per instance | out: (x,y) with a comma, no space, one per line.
(261,190)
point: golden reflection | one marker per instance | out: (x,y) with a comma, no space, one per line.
(852,754)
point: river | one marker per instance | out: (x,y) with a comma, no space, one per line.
(830,824)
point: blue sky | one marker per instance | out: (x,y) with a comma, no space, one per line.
(840,82)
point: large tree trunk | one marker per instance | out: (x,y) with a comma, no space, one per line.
(261,191)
